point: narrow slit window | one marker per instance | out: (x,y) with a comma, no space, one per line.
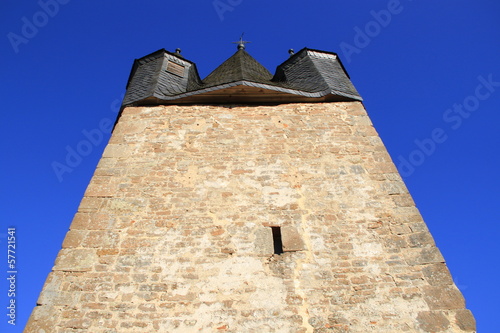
(278,244)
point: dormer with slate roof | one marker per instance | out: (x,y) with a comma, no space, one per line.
(307,76)
(158,75)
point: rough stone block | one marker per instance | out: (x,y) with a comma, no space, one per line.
(432,321)
(75,260)
(116,151)
(263,244)
(101,190)
(437,274)
(42,319)
(101,239)
(74,238)
(292,240)
(465,320)
(443,297)
(421,239)
(419,256)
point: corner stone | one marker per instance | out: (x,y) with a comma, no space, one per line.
(75,260)
(431,321)
(443,297)
(465,320)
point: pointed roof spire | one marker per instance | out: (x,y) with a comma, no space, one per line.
(241,43)
(241,66)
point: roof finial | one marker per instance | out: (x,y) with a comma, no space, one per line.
(241,43)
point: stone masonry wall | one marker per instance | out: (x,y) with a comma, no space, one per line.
(174,231)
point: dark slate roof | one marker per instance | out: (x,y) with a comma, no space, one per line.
(316,71)
(239,67)
(309,75)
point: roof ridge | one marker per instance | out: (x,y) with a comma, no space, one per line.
(240,61)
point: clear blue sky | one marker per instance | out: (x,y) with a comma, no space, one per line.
(422,67)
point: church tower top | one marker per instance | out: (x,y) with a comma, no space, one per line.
(308,75)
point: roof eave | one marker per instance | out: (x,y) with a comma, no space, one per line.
(199,94)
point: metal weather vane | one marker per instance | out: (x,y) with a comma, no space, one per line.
(241,43)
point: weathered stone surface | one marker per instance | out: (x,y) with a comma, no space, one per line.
(431,321)
(465,320)
(424,256)
(174,232)
(75,260)
(116,151)
(43,319)
(421,239)
(443,297)
(437,274)
(292,240)
(263,244)
(74,238)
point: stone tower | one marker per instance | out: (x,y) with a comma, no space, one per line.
(247,202)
